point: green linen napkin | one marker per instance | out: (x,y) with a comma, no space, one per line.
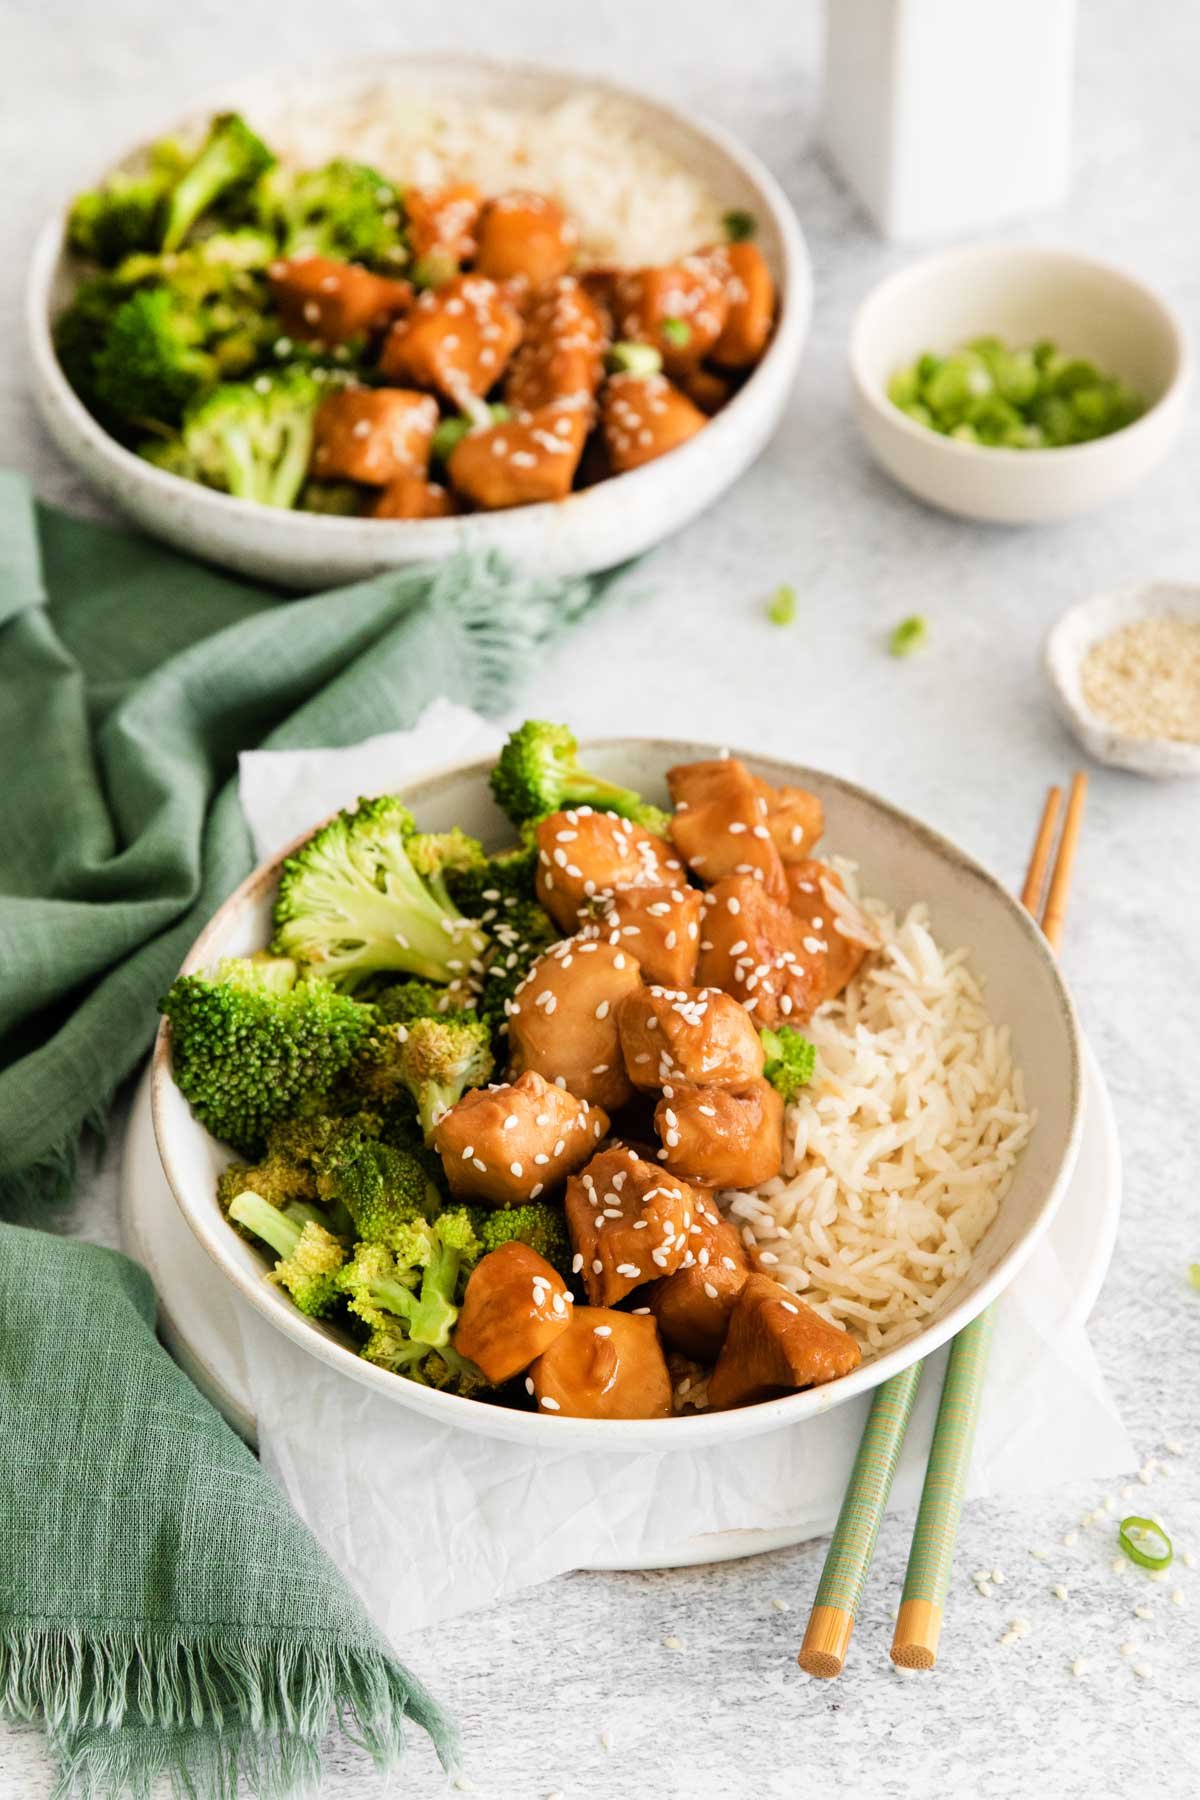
(160,1608)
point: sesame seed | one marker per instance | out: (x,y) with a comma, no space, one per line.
(601,1330)
(1059,1591)
(515,1169)
(672,1643)
(1080,1667)
(550,1404)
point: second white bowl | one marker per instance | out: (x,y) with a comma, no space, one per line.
(1020,293)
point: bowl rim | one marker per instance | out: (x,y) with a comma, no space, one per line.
(440,537)
(999,250)
(689,1430)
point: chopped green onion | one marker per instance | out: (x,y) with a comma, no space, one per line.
(908,635)
(1132,1535)
(739,225)
(677,332)
(781,607)
(448,436)
(634,359)
(1194,1274)
(1030,398)
(434,269)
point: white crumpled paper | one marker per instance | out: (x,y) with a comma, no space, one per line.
(428,1522)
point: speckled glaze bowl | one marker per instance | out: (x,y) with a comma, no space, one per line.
(901,860)
(594,529)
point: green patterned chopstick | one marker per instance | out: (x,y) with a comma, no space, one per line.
(927,1578)
(852,1546)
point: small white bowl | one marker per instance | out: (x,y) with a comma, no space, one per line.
(1020,293)
(901,860)
(1067,645)
(596,528)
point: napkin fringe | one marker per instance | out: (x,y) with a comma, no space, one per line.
(506,617)
(28,1193)
(128,1708)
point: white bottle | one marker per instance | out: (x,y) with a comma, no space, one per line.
(947,115)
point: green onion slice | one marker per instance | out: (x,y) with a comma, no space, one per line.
(781,607)
(1194,1274)
(1132,1535)
(677,332)
(634,359)
(739,225)
(908,635)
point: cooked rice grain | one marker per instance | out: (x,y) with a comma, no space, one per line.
(899,1152)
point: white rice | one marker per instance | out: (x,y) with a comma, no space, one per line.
(632,201)
(899,1152)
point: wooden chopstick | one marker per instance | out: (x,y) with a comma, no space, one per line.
(918,1623)
(931,1558)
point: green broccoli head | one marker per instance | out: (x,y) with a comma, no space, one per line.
(344,210)
(80,334)
(154,358)
(390,1347)
(230,161)
(310,1257)
(334,499)
(418,1278)
(352,905)
(438,1059)
(436,855)
(288,1172)
(539,772)
(539,1224)
(122,217)
(382,1186)
(254,439)
(790,1060)
(520,934)
(405,1001)
(484,889)
(254,1045)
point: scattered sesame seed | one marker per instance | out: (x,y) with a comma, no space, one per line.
(1178,1597)
(1070,1538)
(997,1578)
(1143,1612)
(1129,1649)
(1037,1553)
(1142,1671)
(672,1643)
(550,1404)
(1080,1667)
(1059,1591)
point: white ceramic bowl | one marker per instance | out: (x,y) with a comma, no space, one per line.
(594,529)
(1067,645)
(901,860)
(1019,293)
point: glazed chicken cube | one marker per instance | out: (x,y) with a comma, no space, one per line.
(507,1144)
(561,356)
(373,435)
(750,299)
(409,497)
(794,817)
(605,1365)
(752,947)
(457,339)
(680,309)
(694,1034)
(642,417)
(817,898)
(583,853)
(720,824)
(658,925)
(722,1137)
(776,1343)
(562,1020)
(441,222)
(514,1308)
(525,236)
(330,302)
(521,461)
(706,389)
(693,1306)
(629,1223)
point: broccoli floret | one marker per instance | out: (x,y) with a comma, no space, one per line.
(229,163)
(390,1347)
(154,358)
(287,1174)
(345,211)
(438,855)
(383,1188)
(790,1060)
(520,934)
(254,439)
(310,1257)
(542,1226)
(417,1278)
(406,1001)
(254,1045)
(438,1059)
(80,333)
(352,905)
(539,773)
(484,889)
(123,216)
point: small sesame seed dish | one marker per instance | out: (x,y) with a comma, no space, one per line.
(548,1107)
(370,309)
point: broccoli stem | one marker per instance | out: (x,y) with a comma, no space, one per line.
(275,1228)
